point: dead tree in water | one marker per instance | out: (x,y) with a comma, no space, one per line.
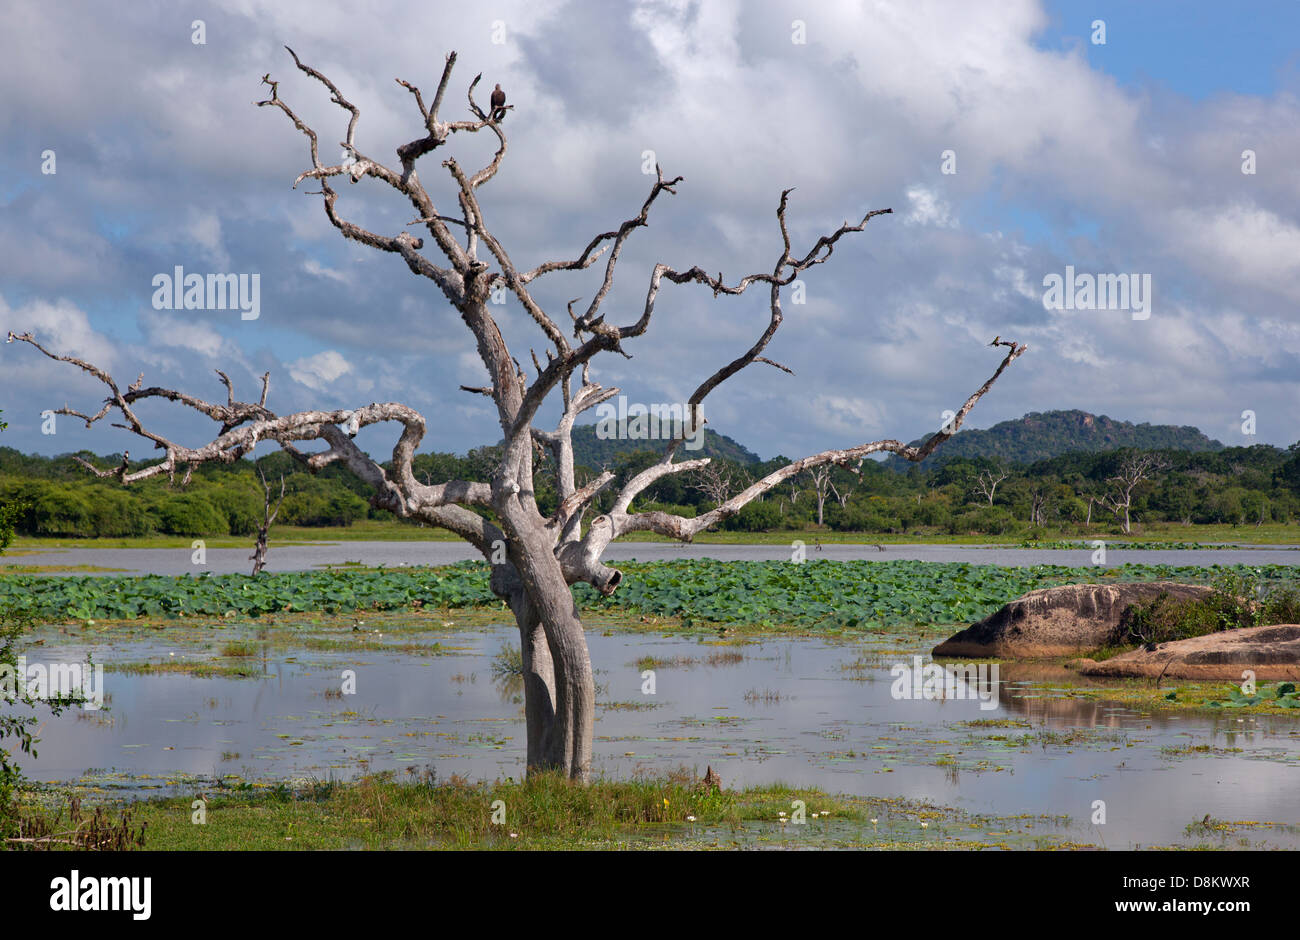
(536,558)
(258,558)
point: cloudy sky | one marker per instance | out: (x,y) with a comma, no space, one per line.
(1122,157)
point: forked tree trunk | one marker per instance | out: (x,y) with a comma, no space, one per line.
(538,676)
(559,689)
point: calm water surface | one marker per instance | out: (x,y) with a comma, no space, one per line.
(394,554)
(801,711)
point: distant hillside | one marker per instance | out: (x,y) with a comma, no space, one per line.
(591,451)
(1040,435)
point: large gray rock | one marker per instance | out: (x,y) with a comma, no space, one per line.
(1271,652)
(1060,621)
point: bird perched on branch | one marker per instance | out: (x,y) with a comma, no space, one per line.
(997,339)
(498,103)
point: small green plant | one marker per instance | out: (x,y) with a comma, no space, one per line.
(1283,695)
(508,662)
(1239,600)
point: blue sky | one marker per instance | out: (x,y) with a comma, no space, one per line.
(1197,50)
(1123,158)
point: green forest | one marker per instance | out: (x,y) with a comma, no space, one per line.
(1075,492)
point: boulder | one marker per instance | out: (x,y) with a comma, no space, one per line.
(1062,621)
(1271,652)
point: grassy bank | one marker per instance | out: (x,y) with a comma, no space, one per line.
(392,531)
(548,812)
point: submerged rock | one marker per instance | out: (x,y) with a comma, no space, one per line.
(1270,652)
(1061,621)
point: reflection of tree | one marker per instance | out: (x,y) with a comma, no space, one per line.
(508,673)
(510,688)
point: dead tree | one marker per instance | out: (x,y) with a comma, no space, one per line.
(535,559)
(1093,499)
(1038,506)
(794,496)
(715,482)
(821,488)
(1133,469)
(258,558)
(986,484)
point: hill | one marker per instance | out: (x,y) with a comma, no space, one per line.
(591,451)
(1040,435)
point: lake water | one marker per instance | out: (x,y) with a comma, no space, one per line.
(303,557)
(801,711)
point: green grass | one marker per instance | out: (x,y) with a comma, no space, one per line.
(56,569)
(364,531)
(391,531)
(200,669)
(548,812)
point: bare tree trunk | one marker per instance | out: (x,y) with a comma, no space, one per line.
(558,669)
(821,478)
(259,551)
(1037,508)
(538,671)
(258,558)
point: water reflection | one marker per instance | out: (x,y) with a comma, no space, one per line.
(795,711)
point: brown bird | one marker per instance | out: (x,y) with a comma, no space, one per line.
(712,781)
(498,103)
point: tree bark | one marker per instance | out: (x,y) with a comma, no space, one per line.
(539,681)
(560,691)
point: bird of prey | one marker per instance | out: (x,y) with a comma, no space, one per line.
(498,103)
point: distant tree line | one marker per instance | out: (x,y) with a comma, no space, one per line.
(1073,493)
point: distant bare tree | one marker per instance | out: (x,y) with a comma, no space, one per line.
(536,559)
(715,482)
(824,486)
(986,484)
(794,495)
(842,493)
(258,558)
(1133,469)
(1038,506)
(1092,499)
(821,481)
